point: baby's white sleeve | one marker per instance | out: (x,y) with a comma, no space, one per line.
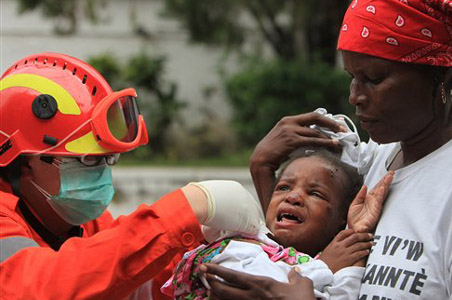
(319,273)
(346,284)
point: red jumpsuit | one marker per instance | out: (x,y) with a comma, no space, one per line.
(111,261)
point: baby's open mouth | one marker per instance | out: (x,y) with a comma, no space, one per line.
(287,217)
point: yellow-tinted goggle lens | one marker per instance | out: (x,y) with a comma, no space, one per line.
(122,119)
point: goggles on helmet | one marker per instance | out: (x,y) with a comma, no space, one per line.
(116,122)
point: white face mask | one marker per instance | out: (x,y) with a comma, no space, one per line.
(85,192)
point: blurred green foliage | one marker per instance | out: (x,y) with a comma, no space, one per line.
(164,106)
(265,91)
(300,75)
(107,65)
(293,29)
(65,13)
(211,22)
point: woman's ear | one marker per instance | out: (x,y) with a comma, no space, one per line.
(448,78)
(448,96)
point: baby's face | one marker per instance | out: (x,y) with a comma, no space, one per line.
(304,210)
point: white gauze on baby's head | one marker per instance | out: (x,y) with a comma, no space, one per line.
(354,152)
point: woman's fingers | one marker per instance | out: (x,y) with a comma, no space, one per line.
(313,118)
(234,278)
(361,196)
(388,178)
(380,191)
(385,182)
(299,125)
(241,286)
(293,132)
(220,290)
(296,278)
(229,284)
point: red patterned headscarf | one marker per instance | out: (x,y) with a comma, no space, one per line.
(412,31)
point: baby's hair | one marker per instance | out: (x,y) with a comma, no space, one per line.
(353,181)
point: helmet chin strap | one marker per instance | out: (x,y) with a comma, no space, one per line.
(54,241)
(13,175)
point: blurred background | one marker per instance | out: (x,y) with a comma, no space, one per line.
(213,76)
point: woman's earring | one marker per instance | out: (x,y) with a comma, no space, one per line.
(443,93)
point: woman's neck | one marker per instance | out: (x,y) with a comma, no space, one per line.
(431,138)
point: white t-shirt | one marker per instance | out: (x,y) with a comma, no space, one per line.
(412,253)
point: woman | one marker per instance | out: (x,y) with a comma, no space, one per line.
(398,55)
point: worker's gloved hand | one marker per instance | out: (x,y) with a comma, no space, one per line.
(230,207)
(212,234)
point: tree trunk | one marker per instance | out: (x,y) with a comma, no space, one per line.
(323,30)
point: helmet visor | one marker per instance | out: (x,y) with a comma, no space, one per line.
(122,119)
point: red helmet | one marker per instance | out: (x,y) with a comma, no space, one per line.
(54,104)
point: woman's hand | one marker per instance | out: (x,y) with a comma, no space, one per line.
(365,210)
(287,135)
(241,286)
(348,248)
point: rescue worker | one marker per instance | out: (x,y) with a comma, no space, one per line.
(61,128)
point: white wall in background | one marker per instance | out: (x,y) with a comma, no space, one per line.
(191,66)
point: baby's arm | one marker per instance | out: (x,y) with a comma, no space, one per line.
(344,256)
(346,249)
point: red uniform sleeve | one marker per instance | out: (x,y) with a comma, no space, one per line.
(108,265)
